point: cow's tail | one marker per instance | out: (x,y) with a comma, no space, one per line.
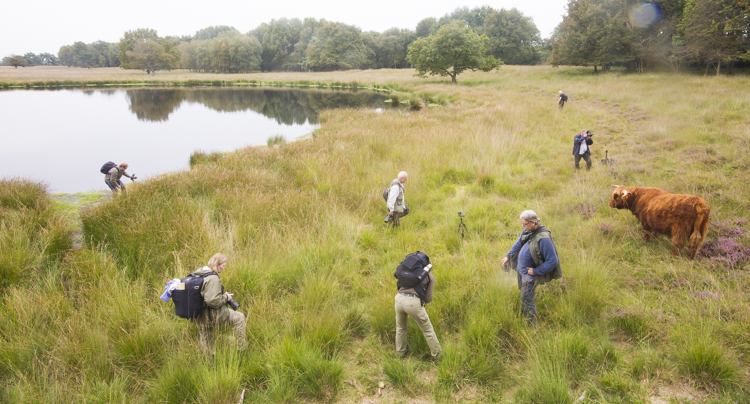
(700,227)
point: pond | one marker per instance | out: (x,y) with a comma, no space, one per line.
(62,137)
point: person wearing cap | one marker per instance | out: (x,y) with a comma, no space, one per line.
(581,149)
(112,178)
(535,260)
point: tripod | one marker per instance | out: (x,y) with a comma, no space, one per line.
(461,224)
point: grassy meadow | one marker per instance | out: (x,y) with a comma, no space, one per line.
(311,262)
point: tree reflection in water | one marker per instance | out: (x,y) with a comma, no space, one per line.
(285,106)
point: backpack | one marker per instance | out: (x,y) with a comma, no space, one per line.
(411,272)
(565,98)
(387,191)
(107,166)
(188,302)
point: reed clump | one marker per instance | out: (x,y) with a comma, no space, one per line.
(312,264)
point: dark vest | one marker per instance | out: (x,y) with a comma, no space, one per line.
(536,256)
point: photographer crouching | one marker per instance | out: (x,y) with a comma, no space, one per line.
(217,313)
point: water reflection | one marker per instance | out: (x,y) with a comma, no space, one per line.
(153,130)
(287,107)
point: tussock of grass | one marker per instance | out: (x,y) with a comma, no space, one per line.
(312,263)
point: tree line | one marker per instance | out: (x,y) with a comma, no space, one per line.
(305,45)
(31,59)
(674,33)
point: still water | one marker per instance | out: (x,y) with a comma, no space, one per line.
(63,137)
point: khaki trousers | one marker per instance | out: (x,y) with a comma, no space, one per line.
(206,332)
(412,307)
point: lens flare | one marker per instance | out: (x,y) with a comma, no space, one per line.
(643,15)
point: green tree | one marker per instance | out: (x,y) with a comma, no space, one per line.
(337,47)
(277,40)
(427,27)
(298,60)
(715,31)
(15,61)
(453,49)
(473,17)
(143,49)
(151,56)
(32,59)
(211,33)
(392,47)
(49,59)
(594,33)
(514,38)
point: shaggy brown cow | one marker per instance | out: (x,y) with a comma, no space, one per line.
(674,215)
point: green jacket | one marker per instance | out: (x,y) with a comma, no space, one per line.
(536,255)
(216,301)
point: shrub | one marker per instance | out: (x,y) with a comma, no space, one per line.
(201,157)
(276,140)
(705,360)
(400,372)
(415,103)
(632,321)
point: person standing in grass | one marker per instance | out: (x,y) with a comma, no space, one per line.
(535,259)
(217,313)
(561,100)
(396,206)
(409,304)
(581,149)
(112,178)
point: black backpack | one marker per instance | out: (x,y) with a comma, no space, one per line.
(188,303)
(565,98)
(107,166)
(411,272)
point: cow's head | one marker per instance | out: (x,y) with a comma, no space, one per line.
(620,198)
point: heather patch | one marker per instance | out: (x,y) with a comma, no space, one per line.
(726,248)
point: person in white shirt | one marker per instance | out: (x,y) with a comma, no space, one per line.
(396,202)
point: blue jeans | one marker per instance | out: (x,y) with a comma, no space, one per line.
(527,285)
(112,186)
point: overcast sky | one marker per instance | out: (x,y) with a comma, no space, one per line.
(44,25)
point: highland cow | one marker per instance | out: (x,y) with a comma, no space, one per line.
(673,215)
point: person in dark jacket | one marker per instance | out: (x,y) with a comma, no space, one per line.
(535,259)
(581,149)
(561,100)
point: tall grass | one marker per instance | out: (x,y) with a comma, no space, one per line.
(312,264)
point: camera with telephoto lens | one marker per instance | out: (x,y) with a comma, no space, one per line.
(232,303)
(590,133)
(461,214)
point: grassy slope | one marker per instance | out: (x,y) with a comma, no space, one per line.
(312,264)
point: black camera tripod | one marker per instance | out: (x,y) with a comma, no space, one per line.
(461,224)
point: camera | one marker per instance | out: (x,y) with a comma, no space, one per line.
(461,214)
(232,303)
(590,133)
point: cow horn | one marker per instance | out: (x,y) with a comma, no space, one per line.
(616,186)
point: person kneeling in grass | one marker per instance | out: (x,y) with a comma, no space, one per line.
(217,313)
(535,259)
